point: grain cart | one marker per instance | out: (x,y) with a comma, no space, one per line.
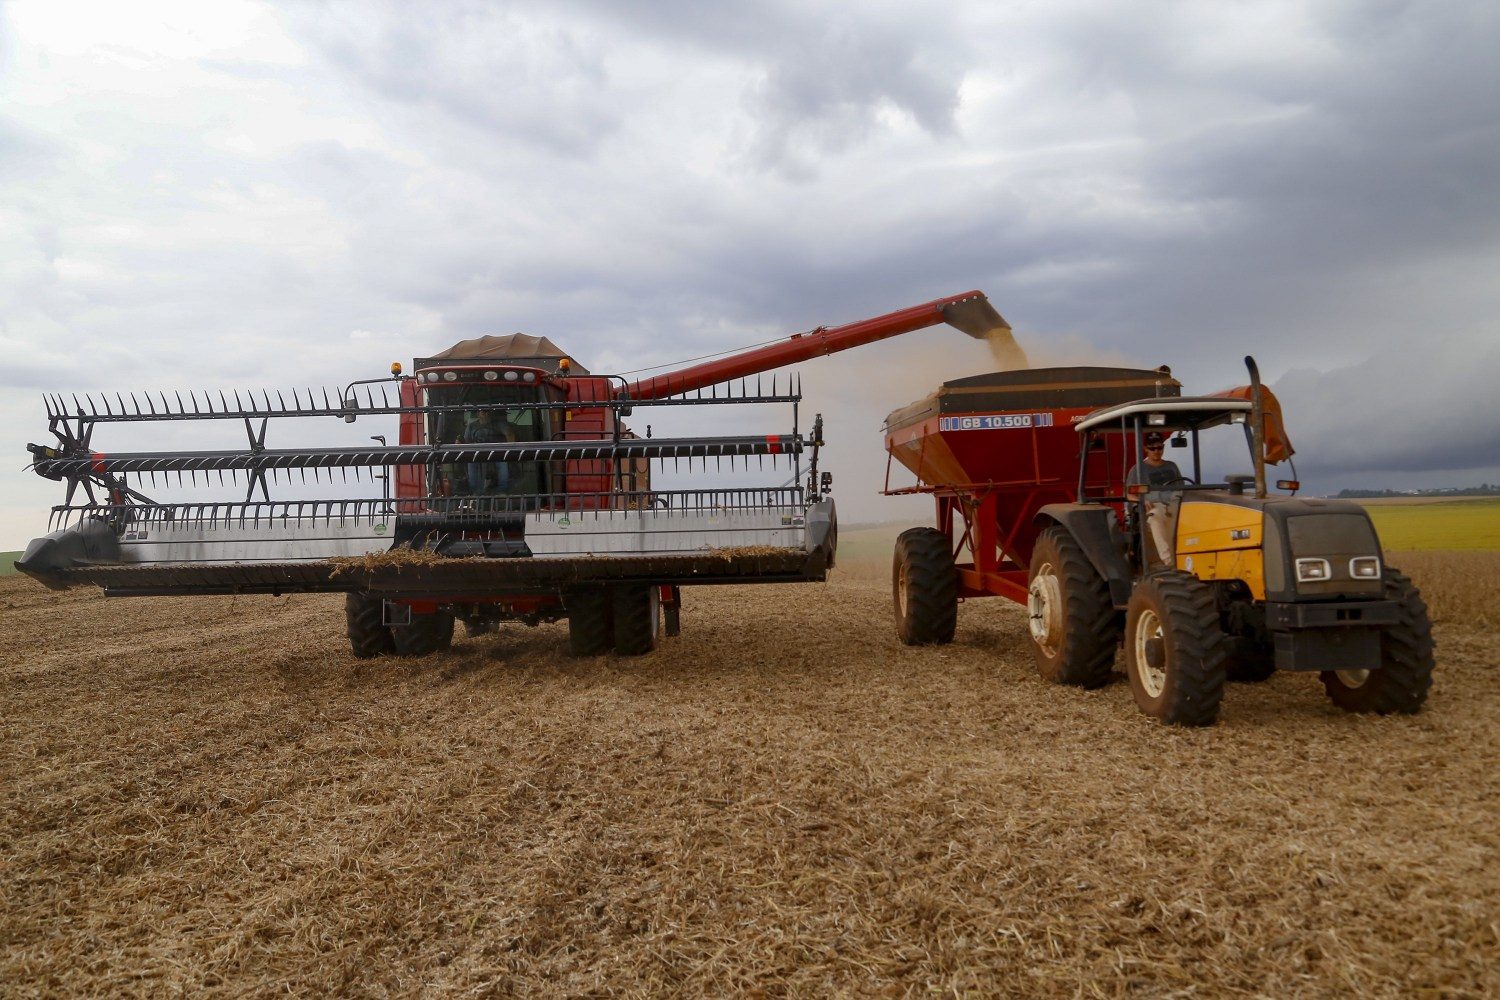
(1028,470)
(516,492)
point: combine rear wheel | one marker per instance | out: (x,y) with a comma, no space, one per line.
(1074,627)
(1406,661)
(590,628)
(425,635)
(925,587)
(367,636)
(637,614)
(1174,649)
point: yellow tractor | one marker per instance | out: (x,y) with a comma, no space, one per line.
(1216,580)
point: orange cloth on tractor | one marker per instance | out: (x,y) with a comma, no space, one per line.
(1278,445)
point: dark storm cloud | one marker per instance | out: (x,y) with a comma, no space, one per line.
(1377,416)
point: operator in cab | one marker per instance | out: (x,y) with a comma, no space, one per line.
(1157,475)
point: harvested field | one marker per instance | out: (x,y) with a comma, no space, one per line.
(211,795)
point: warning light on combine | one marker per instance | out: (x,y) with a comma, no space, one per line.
(395,368)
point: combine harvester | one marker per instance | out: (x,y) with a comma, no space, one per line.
(1029,470)
(519,493)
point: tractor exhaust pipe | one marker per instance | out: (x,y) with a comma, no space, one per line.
(1257,428)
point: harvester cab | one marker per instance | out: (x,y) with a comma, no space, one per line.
(1202,581)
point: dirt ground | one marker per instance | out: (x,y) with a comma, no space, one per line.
(210,795)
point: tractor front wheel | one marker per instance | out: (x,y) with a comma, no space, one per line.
(425,635)
(1406,660)
(1074,626)
(591,630)
(1174,649)
(924,585)
(368,637)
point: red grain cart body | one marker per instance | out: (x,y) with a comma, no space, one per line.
(994,449)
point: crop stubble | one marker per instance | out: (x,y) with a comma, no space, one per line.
(211,795)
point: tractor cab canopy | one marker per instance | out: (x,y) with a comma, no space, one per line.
(1182,419)
(1181,413)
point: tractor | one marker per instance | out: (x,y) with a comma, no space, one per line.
(1200,582)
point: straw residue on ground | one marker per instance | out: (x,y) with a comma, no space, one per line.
(212,795)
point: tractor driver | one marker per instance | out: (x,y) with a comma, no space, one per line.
(1157,475)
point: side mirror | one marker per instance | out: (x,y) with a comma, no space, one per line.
(1288,484)
(1180,441)
(350,404)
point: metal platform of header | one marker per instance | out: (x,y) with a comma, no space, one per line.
(110,532)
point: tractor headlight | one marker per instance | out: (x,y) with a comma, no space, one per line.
(450,376)
(1364,567)
(491,376)
(1311,570)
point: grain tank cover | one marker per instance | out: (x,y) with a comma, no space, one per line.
(510,349)
(1038,389)
(1014,429)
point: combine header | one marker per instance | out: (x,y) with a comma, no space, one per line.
(519,492)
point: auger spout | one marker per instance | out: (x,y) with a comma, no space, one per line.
(970,312)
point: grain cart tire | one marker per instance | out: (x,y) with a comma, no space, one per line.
(426,634)
(591,630)
(1405,675)
(1175,649)
(637,614)
(1075,629)
(367,636)
(924,586)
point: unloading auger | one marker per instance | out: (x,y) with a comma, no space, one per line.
(515,492)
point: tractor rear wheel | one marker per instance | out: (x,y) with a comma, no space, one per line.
(1406,660)
(1174,649)
(1074,626)
(637,614)
(924,585)
(591,631)
(425,635)
(367,636)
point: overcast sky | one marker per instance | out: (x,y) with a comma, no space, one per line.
(234,193)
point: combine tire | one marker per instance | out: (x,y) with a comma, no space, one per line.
(1174,649)
(367,636)
(1405,675)
(671,614)
(425,635)
(924,585)
(1074,627)
(590,629)
(637,614)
